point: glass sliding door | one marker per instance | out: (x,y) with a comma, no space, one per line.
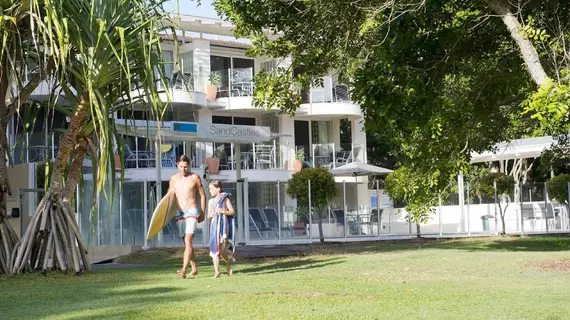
(242,77)
(221,66)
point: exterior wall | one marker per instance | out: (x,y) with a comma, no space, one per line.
(21,176)
(287,141)
(202,61)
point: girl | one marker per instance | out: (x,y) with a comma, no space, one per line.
(221,215)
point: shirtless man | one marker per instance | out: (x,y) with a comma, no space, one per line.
(185,184)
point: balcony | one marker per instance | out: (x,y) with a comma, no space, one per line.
(254,156)
(185,89)
(332,155)
(329,101)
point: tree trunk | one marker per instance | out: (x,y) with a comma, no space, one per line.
(502,212)
(321,234)
(527,49)
(75,169)
(67,144)
(8,237)
(418,230)
(60,239)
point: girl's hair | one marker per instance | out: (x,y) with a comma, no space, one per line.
(217,184)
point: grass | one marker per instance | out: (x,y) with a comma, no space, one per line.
(483,278)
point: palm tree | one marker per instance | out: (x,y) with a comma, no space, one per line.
(17,82)
(106,50)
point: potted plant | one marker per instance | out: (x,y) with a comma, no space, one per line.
(298,162)
(212,88)
(213,163)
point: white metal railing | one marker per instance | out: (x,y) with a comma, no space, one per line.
(334,155)
(254,156)
(332,90)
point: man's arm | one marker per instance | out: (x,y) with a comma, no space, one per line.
(170,184)
(202,194)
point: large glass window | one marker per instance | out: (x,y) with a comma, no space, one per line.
(242,77)
(221,66)
(168,60)
(236,75)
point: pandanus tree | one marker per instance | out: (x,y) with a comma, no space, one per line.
(107,57)
(22,67)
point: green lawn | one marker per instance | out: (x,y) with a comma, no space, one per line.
(491,278)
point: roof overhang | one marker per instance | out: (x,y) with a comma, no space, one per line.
(516,149)
(196,132)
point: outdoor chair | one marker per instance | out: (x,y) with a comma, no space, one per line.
(338,215)
(273,221)
(256,222)
(374,215)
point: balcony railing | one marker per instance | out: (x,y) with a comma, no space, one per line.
(254,156)
(28,148)
(186,81)
(331,91)
(240,84)
(332,155)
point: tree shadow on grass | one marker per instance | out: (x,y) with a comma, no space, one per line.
(524,244)
(291,265)
(149,291)
(543,243)
(91,296)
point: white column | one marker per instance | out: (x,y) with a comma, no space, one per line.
(359,140)
(201,64)
(335,131)
(287,143)
(205,149)
(461,193)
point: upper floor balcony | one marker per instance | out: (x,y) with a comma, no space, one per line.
(331,100)
(331,155)
(184,89)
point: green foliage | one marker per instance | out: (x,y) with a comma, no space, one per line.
(557,188)
(556,158)
(549,105)
(323,188)
(419,194)
(273,90)
(299,155)
(486,184)
(437,80)
(214,78)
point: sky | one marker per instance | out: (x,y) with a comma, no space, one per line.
(206,9)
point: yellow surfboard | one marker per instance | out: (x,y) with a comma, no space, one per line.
(164,212)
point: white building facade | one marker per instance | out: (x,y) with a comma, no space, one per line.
(326,131)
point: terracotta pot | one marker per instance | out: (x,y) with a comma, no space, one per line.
(299,225)
(211,91)
(297,165)
(213,165)
(117,162)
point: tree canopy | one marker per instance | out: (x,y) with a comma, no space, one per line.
(440,79)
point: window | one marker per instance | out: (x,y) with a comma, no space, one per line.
(269,65)
(221,66)
(186,62)
(270,120)
(221,119)
(244,121)
(235,120)
(168,60)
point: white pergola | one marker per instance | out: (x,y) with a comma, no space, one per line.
(516,149)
